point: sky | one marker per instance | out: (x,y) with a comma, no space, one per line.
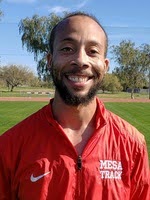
(122,20)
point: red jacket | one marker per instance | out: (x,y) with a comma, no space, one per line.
(38,162)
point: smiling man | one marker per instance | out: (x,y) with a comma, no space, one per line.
(73,148)
(78,61)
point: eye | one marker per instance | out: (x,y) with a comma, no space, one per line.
(93,51)
(67,49)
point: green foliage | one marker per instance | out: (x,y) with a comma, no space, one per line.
(35,37)
(15,75)
(145,56)
(111,83)
(132,66)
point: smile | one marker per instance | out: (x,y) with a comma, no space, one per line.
(79,79)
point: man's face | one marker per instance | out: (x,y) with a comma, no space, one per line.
(78,63)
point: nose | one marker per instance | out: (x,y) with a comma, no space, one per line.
(81,58)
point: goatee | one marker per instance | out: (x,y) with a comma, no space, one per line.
(68,97)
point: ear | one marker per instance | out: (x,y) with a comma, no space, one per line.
(49,60)
(106,65)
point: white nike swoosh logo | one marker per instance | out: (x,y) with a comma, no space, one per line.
(34,179)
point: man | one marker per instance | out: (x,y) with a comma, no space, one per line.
(74,148)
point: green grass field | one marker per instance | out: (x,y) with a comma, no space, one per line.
(13,112)
(138,114)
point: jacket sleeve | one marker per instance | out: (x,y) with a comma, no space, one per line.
(140,176)
(5,181)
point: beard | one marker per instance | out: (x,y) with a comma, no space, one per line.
(67,96)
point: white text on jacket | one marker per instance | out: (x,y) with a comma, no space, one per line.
(110,169)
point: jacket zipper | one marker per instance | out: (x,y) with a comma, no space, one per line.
(79,162)
(78,186)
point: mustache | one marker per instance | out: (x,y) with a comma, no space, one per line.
(82,72)
(78,71)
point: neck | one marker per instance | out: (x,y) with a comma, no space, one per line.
(76,121)
(73,117)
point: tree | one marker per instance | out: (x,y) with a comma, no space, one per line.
(35,36)
(145,56)
(111,83)
(14,76)
(145,51)
(131,70)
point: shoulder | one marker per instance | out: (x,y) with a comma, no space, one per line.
(127,130)
(19,139)
(129,140)
(119,126)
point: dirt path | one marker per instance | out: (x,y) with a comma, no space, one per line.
(46,99)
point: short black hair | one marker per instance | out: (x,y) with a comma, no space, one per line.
(72,14)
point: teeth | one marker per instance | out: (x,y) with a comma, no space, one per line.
(77,79)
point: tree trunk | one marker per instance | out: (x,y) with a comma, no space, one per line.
(12,87)
(132,93)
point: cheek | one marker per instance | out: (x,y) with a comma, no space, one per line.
(99,68)
(55,70)
(59,61)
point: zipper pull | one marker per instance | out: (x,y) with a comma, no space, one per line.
(79,162)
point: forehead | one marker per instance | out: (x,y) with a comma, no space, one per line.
(80,26)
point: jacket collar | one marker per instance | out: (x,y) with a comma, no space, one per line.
(100,120)
(101,114)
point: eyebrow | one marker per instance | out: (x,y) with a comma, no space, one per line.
(92,42)
(70,39)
